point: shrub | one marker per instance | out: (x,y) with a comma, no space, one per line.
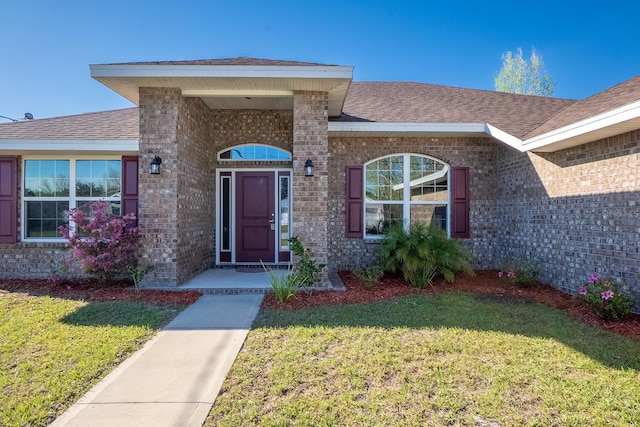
(60,268)
(369,276)
(422,252)
(137,274)
(306,269)
(284,286)
(521,273)
(105,244)
(606,296)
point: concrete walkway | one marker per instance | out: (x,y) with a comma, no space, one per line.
(175,378)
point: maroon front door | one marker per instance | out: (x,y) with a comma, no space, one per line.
(255,217)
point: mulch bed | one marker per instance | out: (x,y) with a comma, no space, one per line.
(484,282)
(90,290)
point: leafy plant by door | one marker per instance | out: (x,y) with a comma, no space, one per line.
(307,269)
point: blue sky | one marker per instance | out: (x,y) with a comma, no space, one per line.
(46,46)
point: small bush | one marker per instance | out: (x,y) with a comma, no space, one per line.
(307,269)
(369,276)
(606,296)
(521,273)
(422,252)
(284,286)
(60,268)
(138,273)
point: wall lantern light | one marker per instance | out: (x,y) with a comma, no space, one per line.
(155,165)
(308,168)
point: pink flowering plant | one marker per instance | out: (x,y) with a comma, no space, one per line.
(606,296)
(103,243)
(522,273)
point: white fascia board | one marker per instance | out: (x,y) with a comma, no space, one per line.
(504,137)
(243,71)
(398,127)
(597,122)
(238,93)
(54,145)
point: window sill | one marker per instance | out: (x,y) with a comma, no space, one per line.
(372,241)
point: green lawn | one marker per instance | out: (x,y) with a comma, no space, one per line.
(452,359)
(53,350)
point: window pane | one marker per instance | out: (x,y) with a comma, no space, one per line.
(255,152)
(380,216)
(433,215)
(428,179)
(44,218)
(83,169)
(83,188)
(113,187)
(47,168)
(384,179)
(46,178)
(226,214)
(98,178)
(284,213)
(114,169)
(430,191)
(113,207)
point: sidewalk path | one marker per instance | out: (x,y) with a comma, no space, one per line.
(175,378)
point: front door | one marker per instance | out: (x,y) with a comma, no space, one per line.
(255,217)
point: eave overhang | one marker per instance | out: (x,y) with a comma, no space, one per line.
(231,86)
(614,122)
(69,146)
(395,129)
(610,123)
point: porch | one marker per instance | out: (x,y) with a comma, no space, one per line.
(241,280)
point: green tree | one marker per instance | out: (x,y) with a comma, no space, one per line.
(524,77)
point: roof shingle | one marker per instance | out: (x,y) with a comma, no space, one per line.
(426,103)
(238,61)
(104,125)
(617,96)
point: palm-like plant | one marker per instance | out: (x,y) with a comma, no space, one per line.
(422,252)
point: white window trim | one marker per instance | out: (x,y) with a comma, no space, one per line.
(72,199)
(406,201)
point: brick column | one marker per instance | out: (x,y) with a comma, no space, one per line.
(311,194)
(158,203)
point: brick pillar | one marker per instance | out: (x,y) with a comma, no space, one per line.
(158,202)
(311,194)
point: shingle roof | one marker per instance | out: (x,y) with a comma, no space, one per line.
(104,125)
(427,103)
(239,61)
(519,115)
(617,96)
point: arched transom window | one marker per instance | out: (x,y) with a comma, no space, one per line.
(252,152)
(405,188)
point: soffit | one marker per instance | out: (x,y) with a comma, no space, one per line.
(231,87)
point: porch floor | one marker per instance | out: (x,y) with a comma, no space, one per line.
(243,280)
(230,281)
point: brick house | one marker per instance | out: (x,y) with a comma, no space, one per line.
(512,176)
